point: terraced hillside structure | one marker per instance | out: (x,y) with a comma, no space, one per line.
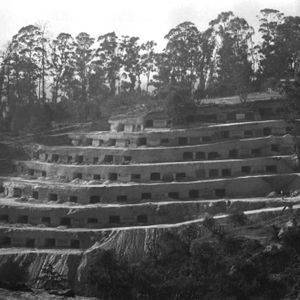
(144,173)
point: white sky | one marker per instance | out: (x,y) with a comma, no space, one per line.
(149,20)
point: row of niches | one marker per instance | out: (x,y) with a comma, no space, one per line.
(260,148)
(101,217)
(97,217)
(173,140)
(32,242)
(43,195)
(188,171)
(79,220)
(240,187)
(82,159)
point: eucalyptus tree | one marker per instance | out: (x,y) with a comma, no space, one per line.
(163,79)
(188,59)
(269,20)
(131,62)
(9,91)
(148,61)
(232,66)
(62,66)
(42,51)
(108,56)
(83,62)
(3,99)
(25,46)
(205,63)
(217,29)
(287,47)
(182,51)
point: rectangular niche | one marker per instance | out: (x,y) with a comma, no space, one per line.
(142,219)
(146,196)
(53,197)
(65,221)
(95,199)
(155,176)
(122,198)
(50,243)
(114,219)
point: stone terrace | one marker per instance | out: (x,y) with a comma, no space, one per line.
(145,172)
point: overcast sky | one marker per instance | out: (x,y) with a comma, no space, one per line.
(149,20)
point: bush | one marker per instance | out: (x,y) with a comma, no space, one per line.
(232,244)
(291,238)
(238,218)
(111,277)
(209,223)
(13,273)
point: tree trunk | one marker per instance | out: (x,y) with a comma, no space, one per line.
(43,79)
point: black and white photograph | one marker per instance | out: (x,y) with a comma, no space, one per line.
(150,150)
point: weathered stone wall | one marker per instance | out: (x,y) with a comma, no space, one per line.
(267,146)
(173,171)
(193,136)
(241,187)
(96,216)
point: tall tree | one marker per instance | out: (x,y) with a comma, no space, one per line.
(62,65)
(287,47)
(269,20)
(148,61)
(109,57)
(42,50)
(182,54)
(83,61)
(131,62)
(232,62)
(3,101)
(205,64)
(26,46)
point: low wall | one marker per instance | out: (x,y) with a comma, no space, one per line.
(266,146)
(239,187)
(35,237)
(174,171)
(175,137)
(94,216)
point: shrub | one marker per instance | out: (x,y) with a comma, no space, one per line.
(13,273)
(238,218)
(232,244)
(291,238)
(111,277)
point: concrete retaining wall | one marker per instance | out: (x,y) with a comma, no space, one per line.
(174,171)
(176,137)
(240,187)
(266,146)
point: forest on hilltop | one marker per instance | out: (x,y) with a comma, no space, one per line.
(81,78)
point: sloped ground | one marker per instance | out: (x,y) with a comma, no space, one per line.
(252,256)
(150,245)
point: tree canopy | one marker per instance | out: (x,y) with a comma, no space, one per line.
(221,60)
